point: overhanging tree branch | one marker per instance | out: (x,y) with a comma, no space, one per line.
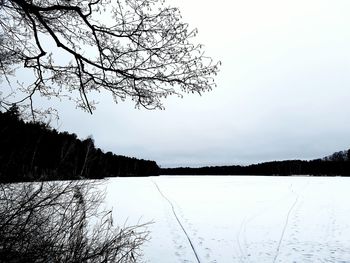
(130,48)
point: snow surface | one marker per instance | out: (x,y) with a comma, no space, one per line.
(237,218)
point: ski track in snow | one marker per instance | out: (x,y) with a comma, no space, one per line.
(179,222)
(244,254)
(243,220)
(284,229)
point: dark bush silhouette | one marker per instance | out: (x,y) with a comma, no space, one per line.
(62,222)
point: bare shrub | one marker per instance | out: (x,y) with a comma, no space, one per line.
(63,222)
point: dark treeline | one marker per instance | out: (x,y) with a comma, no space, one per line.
(335,164)
(33,151)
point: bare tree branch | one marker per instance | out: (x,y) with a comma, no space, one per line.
(129,48)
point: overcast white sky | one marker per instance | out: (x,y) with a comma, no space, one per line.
(283,90)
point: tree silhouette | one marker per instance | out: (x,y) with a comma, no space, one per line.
(34,151)
(128,48)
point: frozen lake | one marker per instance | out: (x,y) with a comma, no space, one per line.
(237,218)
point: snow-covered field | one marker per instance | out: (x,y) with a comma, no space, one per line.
(237,218)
